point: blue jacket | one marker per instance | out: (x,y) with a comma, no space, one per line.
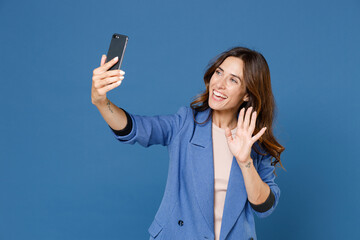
(186,211)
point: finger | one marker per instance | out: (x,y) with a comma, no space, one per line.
(111,73)
(109,87)
(241,118)
(228,134)
(247,117)
(103,59)
(107,81)
(258,135)
(106,66)
(253,123)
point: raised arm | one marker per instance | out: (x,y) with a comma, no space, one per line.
(150,130)
(102,82)
(130,128)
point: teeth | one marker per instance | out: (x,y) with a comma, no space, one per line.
(218,94)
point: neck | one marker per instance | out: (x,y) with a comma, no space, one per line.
(224,119)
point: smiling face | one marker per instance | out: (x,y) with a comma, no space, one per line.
(227,89)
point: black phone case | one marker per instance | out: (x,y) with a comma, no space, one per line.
(117,49)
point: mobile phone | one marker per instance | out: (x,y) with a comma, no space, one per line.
(117,49)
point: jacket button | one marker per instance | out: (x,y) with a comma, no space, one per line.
(180,222)
(251,238)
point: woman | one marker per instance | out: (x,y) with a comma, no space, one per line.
(220,149)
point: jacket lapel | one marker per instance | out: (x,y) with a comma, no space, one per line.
(235,199)
(201,155)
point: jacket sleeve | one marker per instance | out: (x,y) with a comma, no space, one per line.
(266,173)
(150,130)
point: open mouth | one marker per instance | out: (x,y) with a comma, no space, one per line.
(218,96)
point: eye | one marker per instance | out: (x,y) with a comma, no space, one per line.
(233,80)
(218,72)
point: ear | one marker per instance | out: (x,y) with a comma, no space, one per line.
(246,98)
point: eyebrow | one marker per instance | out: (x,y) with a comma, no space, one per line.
(230,74)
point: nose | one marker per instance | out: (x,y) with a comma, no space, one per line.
(221,83)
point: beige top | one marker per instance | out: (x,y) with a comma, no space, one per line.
(222,166)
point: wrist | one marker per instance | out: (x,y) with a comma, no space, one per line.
(101,103)
(245,164)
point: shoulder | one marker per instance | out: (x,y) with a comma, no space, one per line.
(185,114)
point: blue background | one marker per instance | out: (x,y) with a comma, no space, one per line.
(64,176)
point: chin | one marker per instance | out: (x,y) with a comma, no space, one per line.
(215,106)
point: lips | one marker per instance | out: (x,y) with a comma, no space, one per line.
(219,94)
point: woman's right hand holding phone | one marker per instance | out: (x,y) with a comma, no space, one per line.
(104,80)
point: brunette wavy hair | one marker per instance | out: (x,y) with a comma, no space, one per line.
(258,86)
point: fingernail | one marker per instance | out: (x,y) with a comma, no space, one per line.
(122,72)
(116,58)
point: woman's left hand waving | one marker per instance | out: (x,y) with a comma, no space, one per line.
(240,145)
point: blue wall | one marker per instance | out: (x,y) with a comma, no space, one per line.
(64,176)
